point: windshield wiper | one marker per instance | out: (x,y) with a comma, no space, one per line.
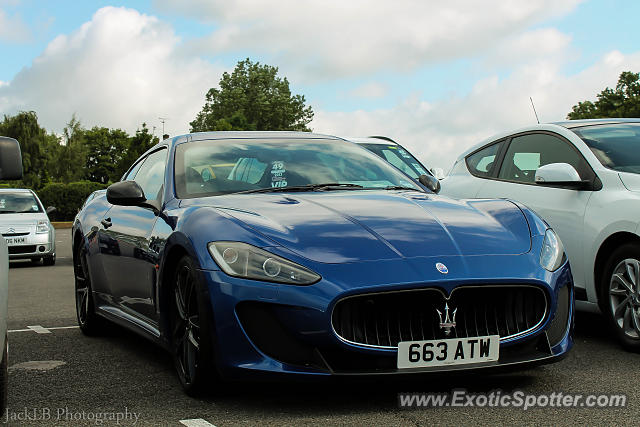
(399,187)
(327,186)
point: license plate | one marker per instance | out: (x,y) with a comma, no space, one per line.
(15,240)
(448,352)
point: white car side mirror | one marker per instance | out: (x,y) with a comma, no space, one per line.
(437,172)
(560,175)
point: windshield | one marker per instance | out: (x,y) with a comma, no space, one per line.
(19,203)
(400,158)
(217,167)
(617,146)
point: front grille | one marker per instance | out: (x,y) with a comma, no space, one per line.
(385,319)
(13,250)
(26,233)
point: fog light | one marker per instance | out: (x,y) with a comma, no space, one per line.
(42,248)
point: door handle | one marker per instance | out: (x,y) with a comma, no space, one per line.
(106,222)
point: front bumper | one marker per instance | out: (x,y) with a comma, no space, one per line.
(266,328)
(35,246)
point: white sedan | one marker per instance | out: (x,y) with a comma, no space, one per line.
(583,178)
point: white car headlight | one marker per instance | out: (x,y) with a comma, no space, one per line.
(42,227)
(244,260)
(552,254)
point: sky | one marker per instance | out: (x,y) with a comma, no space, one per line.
(438,77)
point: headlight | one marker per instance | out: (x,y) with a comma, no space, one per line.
(42,227)
(243,260)
(552,254)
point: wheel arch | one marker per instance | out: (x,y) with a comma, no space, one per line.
(606,248)
(177,247)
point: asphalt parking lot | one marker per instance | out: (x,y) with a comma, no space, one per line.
(58,376)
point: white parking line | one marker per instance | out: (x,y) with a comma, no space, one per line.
(196,422)
(41,329)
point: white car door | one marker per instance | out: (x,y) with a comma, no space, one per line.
(562,208)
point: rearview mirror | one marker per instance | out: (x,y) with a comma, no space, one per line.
(561,175)
(431,182)
(125,193)
(10,159)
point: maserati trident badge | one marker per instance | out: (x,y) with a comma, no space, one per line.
(442,268)
(448,323)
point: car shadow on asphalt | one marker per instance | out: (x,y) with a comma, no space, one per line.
(344,394)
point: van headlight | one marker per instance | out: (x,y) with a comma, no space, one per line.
(552,255)
(247,261)
(42,227)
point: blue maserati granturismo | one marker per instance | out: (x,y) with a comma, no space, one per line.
(265,253)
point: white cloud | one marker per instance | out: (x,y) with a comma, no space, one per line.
(329,38)
(120,69)
(370,90)
(13,28)
(439,131)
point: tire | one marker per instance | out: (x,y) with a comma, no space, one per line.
(620,295)
(89,322)
(4,377)
(190,329)
(49,260)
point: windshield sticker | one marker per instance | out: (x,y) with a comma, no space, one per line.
(404,153)
(419,168)
(391,147)
(2,203)
(278,179)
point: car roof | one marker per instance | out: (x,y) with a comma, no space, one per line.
(214,135)
(552,126)
(380,140)
(571,124)
(15,190)
(199,136)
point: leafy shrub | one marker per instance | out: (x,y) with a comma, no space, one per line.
(67,198)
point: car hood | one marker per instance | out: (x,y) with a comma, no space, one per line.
(21,220)
(337,227)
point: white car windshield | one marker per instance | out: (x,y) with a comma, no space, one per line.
(617,146)
(18,203)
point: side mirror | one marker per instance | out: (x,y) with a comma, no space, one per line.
(561,175)
(438,173)
(125,193)
(10,159)
(431,182)
(51,209)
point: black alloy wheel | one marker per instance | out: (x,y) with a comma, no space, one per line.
(191,348)
(90,323)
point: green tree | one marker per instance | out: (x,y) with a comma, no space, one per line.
(105,150)
(36,145)
(623,101)
(65,158)
(253,97)
(137,145)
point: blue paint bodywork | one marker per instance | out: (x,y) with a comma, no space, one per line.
(359,242)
